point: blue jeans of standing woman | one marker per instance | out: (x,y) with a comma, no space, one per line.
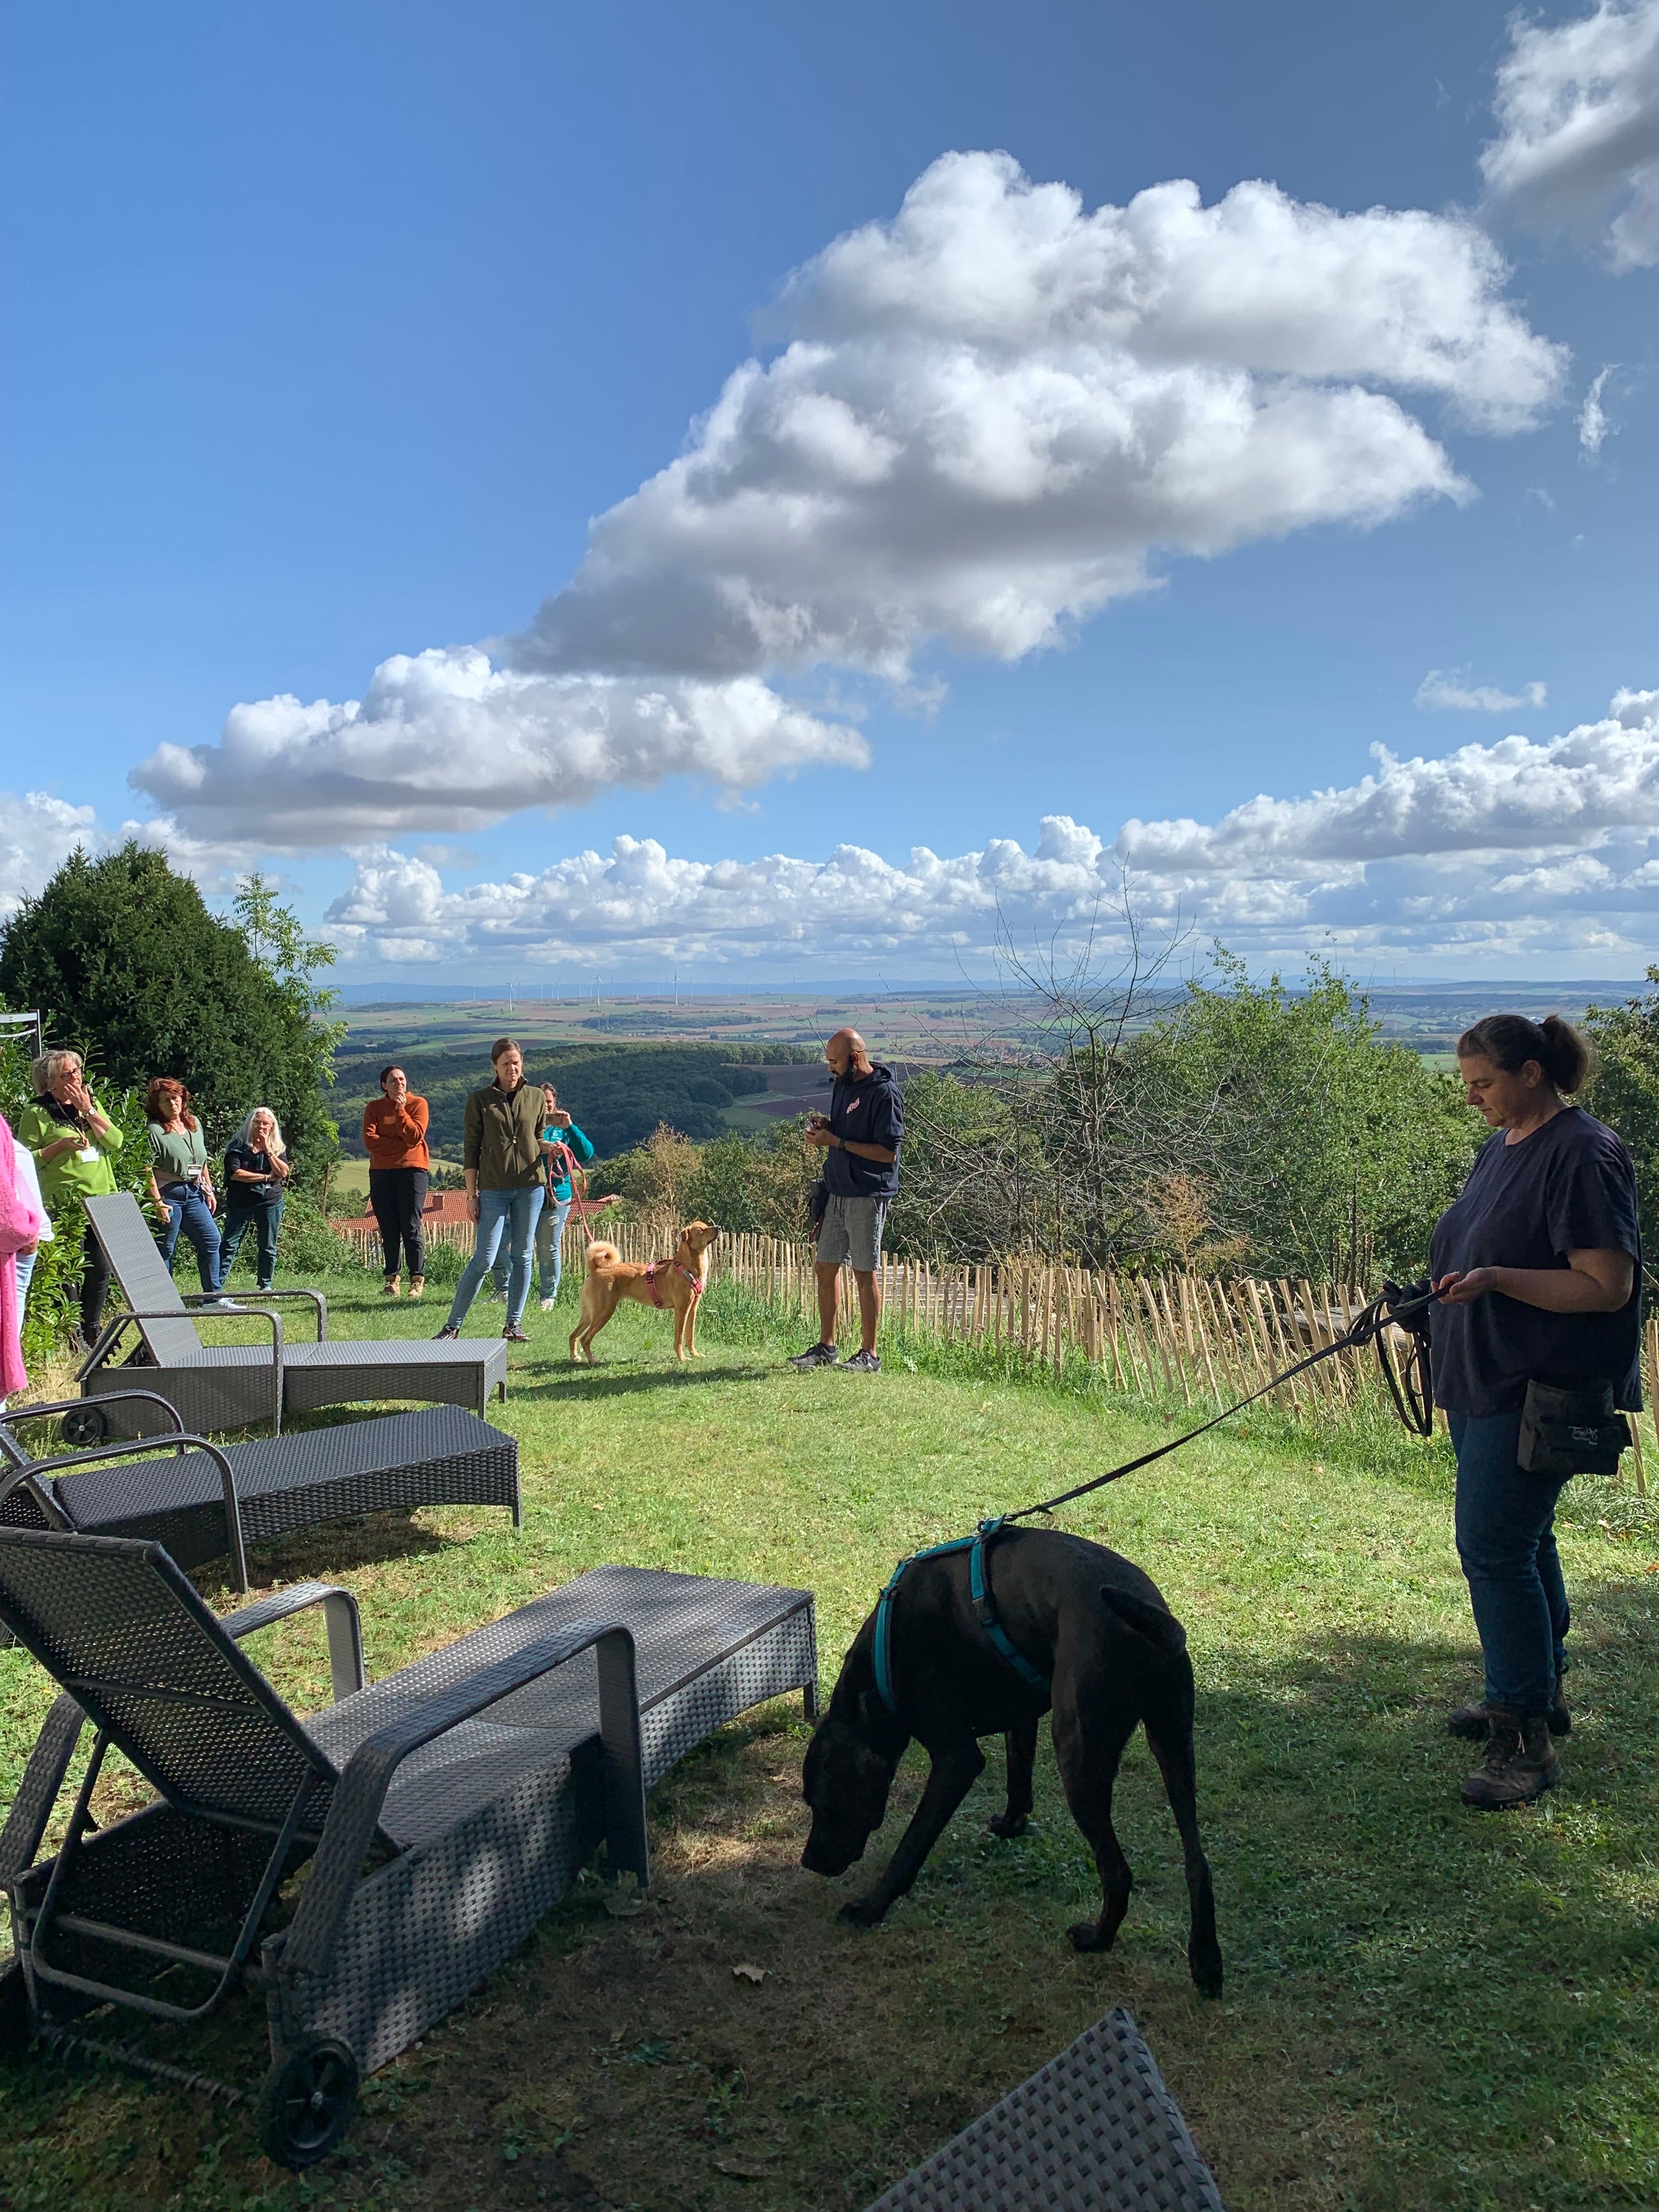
(549,1249)
(187,1210)
(514,1212)
(1506,1543)
(264,1219)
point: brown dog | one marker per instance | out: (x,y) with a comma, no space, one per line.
(676,1283)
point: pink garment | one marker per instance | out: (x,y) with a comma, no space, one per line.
(20,1226)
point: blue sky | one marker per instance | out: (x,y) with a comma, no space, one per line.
(329,331)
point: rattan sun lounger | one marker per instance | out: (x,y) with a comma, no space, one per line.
(224,1386)
(205,1501)
(441,1811)
(1094,2131)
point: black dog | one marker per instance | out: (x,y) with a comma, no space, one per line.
(1116,1655)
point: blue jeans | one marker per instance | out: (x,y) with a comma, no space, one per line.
(515,1211)
(24,1262)
(549,1249)
(264,1221)
(1506,1543)
(187,1210)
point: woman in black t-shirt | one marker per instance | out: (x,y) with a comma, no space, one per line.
(257,1169)
(1538,1266)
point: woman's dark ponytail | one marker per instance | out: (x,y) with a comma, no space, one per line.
(1510,1040)
(1569,1061)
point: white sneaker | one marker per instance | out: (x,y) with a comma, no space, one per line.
(224,1305)
(548,1304)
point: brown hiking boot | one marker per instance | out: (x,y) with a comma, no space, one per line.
(1471,1721)
(1520,1763)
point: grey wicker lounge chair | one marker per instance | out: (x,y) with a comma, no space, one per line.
(226,1386)
(1094,2131)
(443,1811)
(207,1501)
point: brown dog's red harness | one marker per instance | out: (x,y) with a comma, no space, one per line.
(696,1281)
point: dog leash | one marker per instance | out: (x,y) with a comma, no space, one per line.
(1412,1402)
(1410,1393)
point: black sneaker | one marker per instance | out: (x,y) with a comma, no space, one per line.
(449,1328)
(820,1355)
(513,1334)
(863,1363)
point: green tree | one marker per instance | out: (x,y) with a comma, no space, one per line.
(1316,1147)
(974,1180)
(128,965)
(755,1186)
(1624,1093)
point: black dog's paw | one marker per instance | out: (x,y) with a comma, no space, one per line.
(1206,1965)
(862,1912)
(1008,1825)
(1086,1936)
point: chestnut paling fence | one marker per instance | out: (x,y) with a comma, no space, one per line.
(1203,1339)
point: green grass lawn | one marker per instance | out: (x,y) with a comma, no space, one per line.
(1425,2009)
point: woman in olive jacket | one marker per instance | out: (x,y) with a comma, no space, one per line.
(502,1157)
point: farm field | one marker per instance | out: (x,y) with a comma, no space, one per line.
(919,1025)
(1426,2010)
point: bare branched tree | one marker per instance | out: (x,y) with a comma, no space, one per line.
(1056,1136)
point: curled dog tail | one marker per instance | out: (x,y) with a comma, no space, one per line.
(601,1254)
(1154,1622)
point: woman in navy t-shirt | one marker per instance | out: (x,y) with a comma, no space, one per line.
(1539,1267)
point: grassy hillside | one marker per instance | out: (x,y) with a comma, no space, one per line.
(1427,2010)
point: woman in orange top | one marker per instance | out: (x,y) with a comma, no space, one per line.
(394,1135)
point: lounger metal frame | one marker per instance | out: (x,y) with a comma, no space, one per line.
(216,1387)
(443,1811)
(431,1466)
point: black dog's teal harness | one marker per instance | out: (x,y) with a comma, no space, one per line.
(985,1611)
(1411,1392)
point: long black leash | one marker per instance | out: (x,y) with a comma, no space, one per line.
(1407,1310)
(1410,1389)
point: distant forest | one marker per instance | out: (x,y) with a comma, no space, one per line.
(618,1093)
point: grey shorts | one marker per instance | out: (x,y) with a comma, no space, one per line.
(851,1232)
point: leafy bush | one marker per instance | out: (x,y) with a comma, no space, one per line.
(1307,1145)
(53,1310)
(444,1263)
(1625,1092)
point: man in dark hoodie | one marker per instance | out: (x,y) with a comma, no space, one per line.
(861,1138)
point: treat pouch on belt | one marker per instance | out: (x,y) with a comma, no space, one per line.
(1566,1432)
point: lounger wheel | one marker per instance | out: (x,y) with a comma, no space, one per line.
(307,2101)
(86,1426)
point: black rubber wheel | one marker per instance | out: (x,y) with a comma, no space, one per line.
(307,2101)
(86,1426)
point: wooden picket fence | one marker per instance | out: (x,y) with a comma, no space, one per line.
(1204,1339)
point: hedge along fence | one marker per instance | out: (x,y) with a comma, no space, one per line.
(1203,1339)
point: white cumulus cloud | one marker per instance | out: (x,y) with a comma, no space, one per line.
(38,834)
(1448,688)
(1577,110)
(1507,850)
(445,740)
(986,418)
(1515,796)
(992,411)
